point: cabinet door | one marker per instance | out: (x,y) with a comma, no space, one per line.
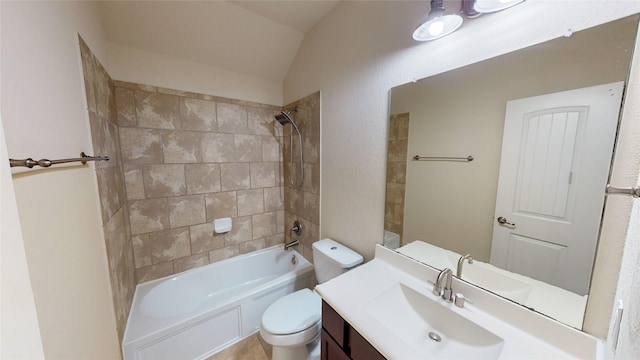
(333,324)
(330,349)
(360,347)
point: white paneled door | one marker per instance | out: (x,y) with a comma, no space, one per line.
(556,154)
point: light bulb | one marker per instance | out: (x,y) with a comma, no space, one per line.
(436,27)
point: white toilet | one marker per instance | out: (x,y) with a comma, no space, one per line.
(292,323)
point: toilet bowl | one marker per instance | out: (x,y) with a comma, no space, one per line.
(292,323)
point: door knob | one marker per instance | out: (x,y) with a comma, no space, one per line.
(503,221)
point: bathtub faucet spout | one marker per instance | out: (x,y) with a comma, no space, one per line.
(291,244)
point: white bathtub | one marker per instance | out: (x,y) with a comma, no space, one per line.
(197,313)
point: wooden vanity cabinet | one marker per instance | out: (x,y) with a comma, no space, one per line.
(341,342)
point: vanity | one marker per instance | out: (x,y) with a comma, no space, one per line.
(386,308)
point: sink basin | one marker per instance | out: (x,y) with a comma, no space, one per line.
(421,321)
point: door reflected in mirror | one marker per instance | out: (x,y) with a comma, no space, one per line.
(540,124)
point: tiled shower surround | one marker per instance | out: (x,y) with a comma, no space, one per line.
(101,106)
(303,203)
(179,160)
(189,159)
(396,173)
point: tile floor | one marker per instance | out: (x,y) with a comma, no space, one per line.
(251,348)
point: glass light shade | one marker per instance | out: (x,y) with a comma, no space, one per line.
(488,6)
(435,27)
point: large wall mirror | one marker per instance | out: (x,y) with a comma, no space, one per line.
(498,169)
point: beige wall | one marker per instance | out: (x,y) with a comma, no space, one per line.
(358,52)
(461,112)
(189,159)
(45,116)
(146,67)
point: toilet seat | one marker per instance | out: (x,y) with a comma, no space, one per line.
(293,319)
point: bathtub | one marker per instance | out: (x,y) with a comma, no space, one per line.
(199,312)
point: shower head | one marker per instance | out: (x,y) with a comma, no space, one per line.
(284,118)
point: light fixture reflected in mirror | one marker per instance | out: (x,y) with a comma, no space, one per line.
(489,6)
(439,23)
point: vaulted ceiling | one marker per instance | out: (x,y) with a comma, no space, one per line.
(258,38)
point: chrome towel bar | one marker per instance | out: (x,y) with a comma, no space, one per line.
(442,158)
(632,191)
(46,162)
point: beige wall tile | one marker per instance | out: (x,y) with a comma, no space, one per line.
(141,250)
(248,148)
(253,245)
(198,115)
(186,210)
(158,111)
(88,72)
(217,147)
(190,262)
(134,182)
(264,174)
(164,180)
(105,98)
(242,231)
(182,147)
(261,121)
(312,207)
(109,203)
(395,193)
(273,240)
(169,245)
(235,176)
(202,178)
(125,107)
(231,118)
(153,272)
(203,238)
(264,225)
(271,148)
(273,198)
(141,146)
(397,150)
(221,205)
(250,202)
(224,253)
(148,215)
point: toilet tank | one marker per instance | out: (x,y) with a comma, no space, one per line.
(331,259)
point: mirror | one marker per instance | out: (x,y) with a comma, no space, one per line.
(526,119)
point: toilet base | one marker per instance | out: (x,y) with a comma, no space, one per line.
(310,351)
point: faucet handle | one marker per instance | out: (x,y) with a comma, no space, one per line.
(437,290)
(459,300)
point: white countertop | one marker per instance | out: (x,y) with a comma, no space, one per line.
(527,335)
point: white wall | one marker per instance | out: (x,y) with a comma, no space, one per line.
(20,334)
(44,114)
(145,67)
(361,50)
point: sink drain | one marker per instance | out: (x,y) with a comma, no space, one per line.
(435,337)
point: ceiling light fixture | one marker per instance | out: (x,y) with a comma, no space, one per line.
(489,6)
(439,23)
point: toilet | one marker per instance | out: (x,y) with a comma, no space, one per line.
(292,323)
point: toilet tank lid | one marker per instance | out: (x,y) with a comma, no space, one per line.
(337,252)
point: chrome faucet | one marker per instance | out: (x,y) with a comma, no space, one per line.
(291,244)
(446,292)
(461,262)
